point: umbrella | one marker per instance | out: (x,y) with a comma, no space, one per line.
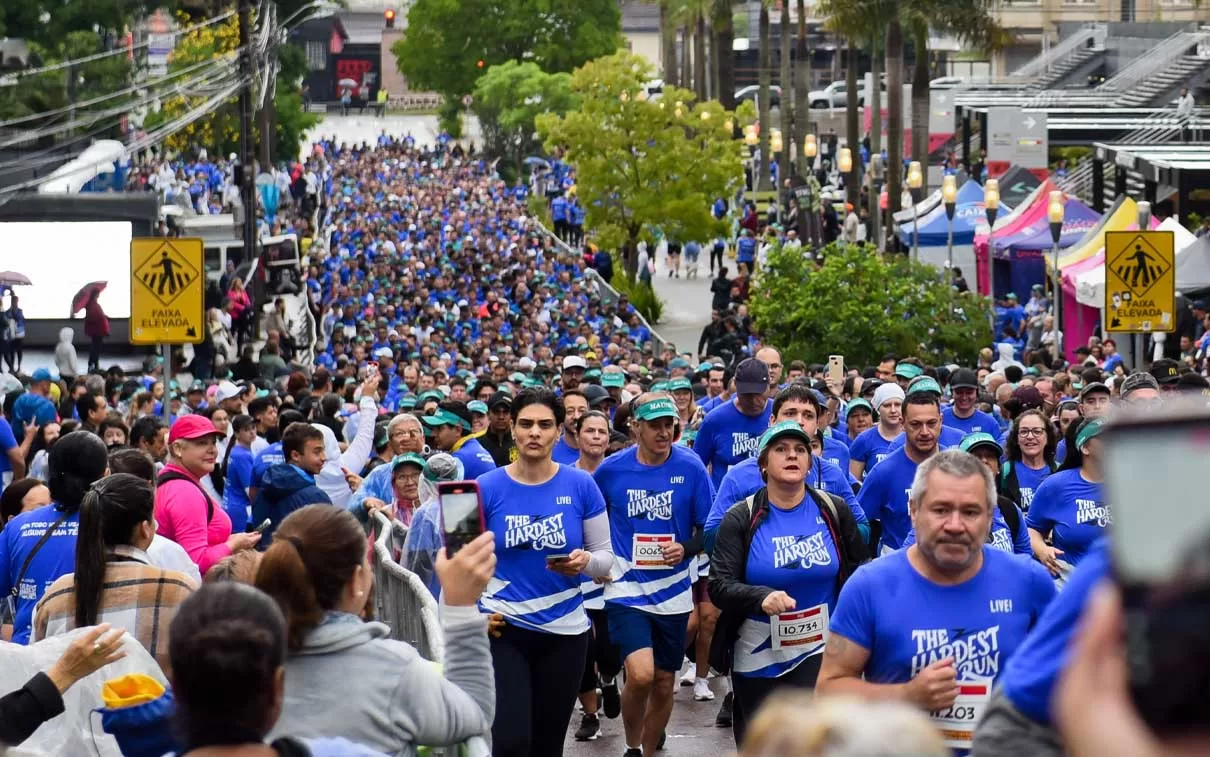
(85,294)
(12,279)
(534,160)
(347,83)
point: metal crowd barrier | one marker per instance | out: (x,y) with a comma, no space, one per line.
(401,600)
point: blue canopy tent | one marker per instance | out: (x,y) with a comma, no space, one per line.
(934,230)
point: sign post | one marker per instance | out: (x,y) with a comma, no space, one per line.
(167,295)
(1140,281)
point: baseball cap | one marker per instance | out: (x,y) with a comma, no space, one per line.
(574,361)
(614,379)
(1165,371)
(908,370)
(226,391)
(964,378)
(499,398)
(660,386)
(408,402)
(1091,387)
(476,406)
(678,362)
(705,367)
(1090,429)
(781,430)
(650,410)
(1028,397)
(595,394)
(191,427)
(752,377)
(407,457)
(40,375)
(526,364)
(924,385)
(886,393)
(859,405)
(971,442)
(431,394)
(195,387)
(680,384)
(1137,381)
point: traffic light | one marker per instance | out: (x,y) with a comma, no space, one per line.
(388,15)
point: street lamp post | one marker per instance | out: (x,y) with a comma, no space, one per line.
(810,148)
(1054,213)
(915,179)
(750,139)
(775,145)
(844,162)
(949,195)
(1140,340)
(991,203)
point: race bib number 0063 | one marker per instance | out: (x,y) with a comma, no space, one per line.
(801,628)
(647,551)
(957,722)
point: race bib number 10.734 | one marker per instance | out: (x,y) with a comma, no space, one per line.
(801,628)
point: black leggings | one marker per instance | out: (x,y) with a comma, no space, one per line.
(716,253)
(16,353)
(750,693)
(602,656)
(536,681)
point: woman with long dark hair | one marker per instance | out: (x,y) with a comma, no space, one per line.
(36,461)
(1069,507)
(228,654)
(38,546)
(115,580)
(1030,457)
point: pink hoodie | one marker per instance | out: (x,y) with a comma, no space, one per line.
(180,515)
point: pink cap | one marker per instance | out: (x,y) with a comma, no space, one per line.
(191,427)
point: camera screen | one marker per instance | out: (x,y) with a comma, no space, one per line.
(460,512)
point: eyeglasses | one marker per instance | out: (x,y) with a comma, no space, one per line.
(1031,432)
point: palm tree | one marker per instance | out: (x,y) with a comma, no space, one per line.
(668,43)
(686,47)
(764,181)
(784,166)
(700,83)
(724,42)
(894,116)
(802,85)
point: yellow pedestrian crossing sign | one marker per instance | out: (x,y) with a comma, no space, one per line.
(1140,281)
(167,291)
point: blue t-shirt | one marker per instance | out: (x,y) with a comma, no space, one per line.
(744,480)
(727,436)
(236,485)
(947,439)
(979,422)
(1003,537)
(745,250)
(646,503)
(836,452)
(870,448)
(265,459)
(908,622)
(7,442)
(1030,676)
(531,522)
(476,461)
(57,557)
(1073,510)
(791,551)
(32,408)
(884,497)
(1061,451)
(1028,481)
(563,454)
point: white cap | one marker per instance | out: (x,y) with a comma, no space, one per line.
(526,363)
(384,352)
(226,391)
(574,361)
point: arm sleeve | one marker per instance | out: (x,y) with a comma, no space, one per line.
(358,453)
(1021,543)
(869,499)
(24,710)
(838,484)
(441,710)
(598,544)
(369,488)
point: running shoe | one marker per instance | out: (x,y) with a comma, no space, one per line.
(611,700)
(723,718)
(701,691)
(690,675)
(632,752)
(590,728)
(663,740)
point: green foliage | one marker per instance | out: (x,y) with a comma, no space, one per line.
(39,93)
(446,39)
(507,100)
(449,117)
(23,18)
(641,294)
(642,164)
(1073,155)
(292,122)
(863,305)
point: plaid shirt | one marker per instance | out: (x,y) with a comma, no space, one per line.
(136,596)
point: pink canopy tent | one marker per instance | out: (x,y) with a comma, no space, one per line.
(1033,213)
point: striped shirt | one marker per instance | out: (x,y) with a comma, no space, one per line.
(136,596)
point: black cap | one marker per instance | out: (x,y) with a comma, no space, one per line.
(595,394)
(964,378)
(499,398)
(752,377)
(1166,371)
(1094,386)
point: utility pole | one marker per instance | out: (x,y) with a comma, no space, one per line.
(247,162)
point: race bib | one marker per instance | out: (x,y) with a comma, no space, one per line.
(957,722)
(800,628)
(647,551)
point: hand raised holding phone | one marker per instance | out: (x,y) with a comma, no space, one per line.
(464,576)
(569,565)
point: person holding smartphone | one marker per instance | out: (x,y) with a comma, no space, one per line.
(551,527)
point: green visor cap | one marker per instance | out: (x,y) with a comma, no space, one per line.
(1089,431)
(785,428)
(431,394)
(971,442)
(592,373)
(616,380)
(443,418)
(477,407)
(659,386)
(923,384)
(408,402)
(858,405)
(908,370)
(680,384)
(407,457)
(657,408)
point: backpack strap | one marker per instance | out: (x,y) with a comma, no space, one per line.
(1012,516)
(1005,470)
(30,557)
(171,475)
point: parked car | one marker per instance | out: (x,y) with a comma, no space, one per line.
(831,96)
(752,92)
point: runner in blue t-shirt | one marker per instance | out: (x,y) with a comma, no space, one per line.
(551,529)
(575,404)
(1069,505)
(730,432)
(873,445)
(963,414)
(658,495)
(238,480)
(451,426)
(936,623)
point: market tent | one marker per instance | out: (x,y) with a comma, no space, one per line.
(1125,211)
(1078,220)
(934,227)
(1030,211)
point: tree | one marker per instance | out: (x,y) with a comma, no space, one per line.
(49,22)
(724,58)
(508,98)
(449,44)
(785,168)
(802,84)
(642,164)
(891,304)
(763,181)
(55,90)
(894,113)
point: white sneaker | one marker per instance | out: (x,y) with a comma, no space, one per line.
(690,676)
(701,691)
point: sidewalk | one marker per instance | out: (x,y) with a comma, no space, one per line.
(686,302)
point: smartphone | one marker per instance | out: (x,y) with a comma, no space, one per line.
(461,513)
(1160,549)
(263,525)
(556,559)
(836,369)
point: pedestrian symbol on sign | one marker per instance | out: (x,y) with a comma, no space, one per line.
(1139,266)
(166,274)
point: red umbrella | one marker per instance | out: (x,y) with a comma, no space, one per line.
(86,293)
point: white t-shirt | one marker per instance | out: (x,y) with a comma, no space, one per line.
(167,554)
